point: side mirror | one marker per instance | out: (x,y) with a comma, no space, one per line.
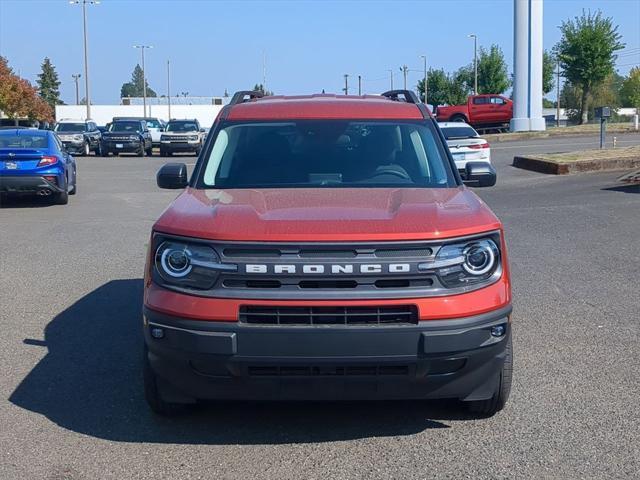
(172,176)
(202,130)
(479,174)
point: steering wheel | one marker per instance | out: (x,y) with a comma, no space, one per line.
(396,170)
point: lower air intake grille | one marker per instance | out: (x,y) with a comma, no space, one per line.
(391,315)
(327,371)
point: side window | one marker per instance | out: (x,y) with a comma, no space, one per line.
(480,100)
(497,101)
(58,143)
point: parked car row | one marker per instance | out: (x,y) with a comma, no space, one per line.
(137,135)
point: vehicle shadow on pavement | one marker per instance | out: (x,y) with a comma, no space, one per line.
(26,202)
(90,382)
(624,189)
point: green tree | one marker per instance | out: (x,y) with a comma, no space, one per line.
(630,90)
(493,75)
(135,88)
(607,93)
(460,86)
(437,87)
(258,87)
(587,53)
(48,84)
(548,69)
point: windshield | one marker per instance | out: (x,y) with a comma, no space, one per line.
(70,127)
(327,153)
(153,123)
(23,141)
(124,127)
(458,132)
(182,127)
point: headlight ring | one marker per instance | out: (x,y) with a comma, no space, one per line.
(176,262)
(479,258)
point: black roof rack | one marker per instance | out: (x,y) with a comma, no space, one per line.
(239,97)
(409,96)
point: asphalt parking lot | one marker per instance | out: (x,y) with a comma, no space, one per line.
(71,404)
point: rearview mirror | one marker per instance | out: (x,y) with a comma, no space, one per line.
(479,174)
(172,176)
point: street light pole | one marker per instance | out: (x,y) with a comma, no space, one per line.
(558,95)
(391,73)
(404,69)
(76,77)
(359,84)
(169,88)
(425,78)
(346,84)
(144,77)
(86,52)
(475,62)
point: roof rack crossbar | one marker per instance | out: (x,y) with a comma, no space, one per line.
(409,96)
(239,97)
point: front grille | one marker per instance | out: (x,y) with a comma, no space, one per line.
(383,315)
(327,370)
(176,138)
(118,139)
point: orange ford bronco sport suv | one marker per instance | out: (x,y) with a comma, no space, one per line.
(325,248)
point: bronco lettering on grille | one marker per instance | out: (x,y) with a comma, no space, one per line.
(333,269)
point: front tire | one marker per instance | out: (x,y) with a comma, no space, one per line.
(141,151)
(86,149)
(499,399)
(149,151)
(152,393)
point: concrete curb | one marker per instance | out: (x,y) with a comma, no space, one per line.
(541,165)
(512,137)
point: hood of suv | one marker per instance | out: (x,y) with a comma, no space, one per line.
(327,214)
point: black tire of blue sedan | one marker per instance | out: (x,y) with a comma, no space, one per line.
(61,198)
(497,402)
(152,394)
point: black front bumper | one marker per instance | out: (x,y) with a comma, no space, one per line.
(127,147)
(29,184)
(435,359)
(73,147)
(179,147)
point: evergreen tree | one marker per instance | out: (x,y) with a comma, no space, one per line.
(48,84)
(135,88)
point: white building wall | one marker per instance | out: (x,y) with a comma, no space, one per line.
(103,114)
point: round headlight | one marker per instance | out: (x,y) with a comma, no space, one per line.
(478,259)
(176,262)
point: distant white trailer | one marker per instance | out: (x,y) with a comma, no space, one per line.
(103,114)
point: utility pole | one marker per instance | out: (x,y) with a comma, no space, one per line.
(346,84)
(84,3)
(404,69)
(76,77)
(475,62)
(391,73)
(144,77)
(359,84)
(558,95)
(169,87)
(264,71)
(425,78)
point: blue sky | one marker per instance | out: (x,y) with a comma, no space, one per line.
(309,45)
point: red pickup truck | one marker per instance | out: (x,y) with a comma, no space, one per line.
(479,111)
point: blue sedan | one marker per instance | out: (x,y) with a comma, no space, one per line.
(35,162)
